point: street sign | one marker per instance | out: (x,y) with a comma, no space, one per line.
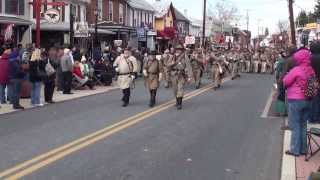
(52,16)
(81,29)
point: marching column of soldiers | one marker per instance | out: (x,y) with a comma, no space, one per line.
(180,66)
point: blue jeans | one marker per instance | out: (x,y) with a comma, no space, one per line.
(35,93)
(299,114)
(3,96)
(14,91)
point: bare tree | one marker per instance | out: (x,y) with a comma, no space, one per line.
(283,25)
(226,12)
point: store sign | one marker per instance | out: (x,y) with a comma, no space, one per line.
(81,29)
(117,43)
(8,32)
(190,40)
(152,33)
(311,26)
(52,16)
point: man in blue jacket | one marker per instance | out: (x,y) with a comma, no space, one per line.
(16,75)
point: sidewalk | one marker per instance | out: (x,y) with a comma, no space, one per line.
(59,97)
(304,168)
(297,168)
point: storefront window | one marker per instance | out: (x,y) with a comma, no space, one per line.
(120,13)
(15,7)
(110,10)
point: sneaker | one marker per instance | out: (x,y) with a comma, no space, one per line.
(50,102)
(39,105)
(19,107)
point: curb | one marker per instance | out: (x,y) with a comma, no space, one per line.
(288,167)
(62,101)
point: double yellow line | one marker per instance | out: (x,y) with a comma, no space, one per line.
(45,159)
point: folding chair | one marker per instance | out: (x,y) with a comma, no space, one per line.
(96,77)
(311,134)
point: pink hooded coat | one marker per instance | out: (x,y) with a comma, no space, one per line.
(4,69)
(296,80)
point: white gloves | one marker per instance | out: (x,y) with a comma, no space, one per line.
(117,69)
(132,77)
(160,76)
(145,73)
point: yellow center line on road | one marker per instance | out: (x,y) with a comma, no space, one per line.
(43,160)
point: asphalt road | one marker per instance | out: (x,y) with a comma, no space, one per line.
(218,135)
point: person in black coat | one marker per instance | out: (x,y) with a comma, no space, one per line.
(35,76)
(49,61)
(315,63)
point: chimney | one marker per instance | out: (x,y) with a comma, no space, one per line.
(185,12)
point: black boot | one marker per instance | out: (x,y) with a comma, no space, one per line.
(151,104)
(179,106)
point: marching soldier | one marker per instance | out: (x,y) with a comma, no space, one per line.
(166,74)
(197,67)
(179,74)
(248,61)
(219,67)
(242,61)
(126,68)
(256,63)
(152,71)
(235,66)
(264,59)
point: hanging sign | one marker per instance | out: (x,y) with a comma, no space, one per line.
(81,29)
(52,16)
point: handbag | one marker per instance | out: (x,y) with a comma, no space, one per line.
(49,69)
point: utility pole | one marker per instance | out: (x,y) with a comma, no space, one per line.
(37,7)
(292,26)
(204,22)
(71,26)
(247,19)
(248,40)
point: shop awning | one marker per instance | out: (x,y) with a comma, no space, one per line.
(14,20)
(101,31)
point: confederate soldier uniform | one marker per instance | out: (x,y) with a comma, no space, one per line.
(197,68)
(178,73)
(218,66)
(256,63)
(164,59)
(126,68)
(235,67)
(263,62)
(248,62)
(152,71)
(242,61)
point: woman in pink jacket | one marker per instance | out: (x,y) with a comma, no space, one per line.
(4,74)
(298,105)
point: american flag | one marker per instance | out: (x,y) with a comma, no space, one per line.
(8,32)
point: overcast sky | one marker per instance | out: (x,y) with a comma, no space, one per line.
(267,12)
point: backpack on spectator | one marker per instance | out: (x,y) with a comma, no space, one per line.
(313,87)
